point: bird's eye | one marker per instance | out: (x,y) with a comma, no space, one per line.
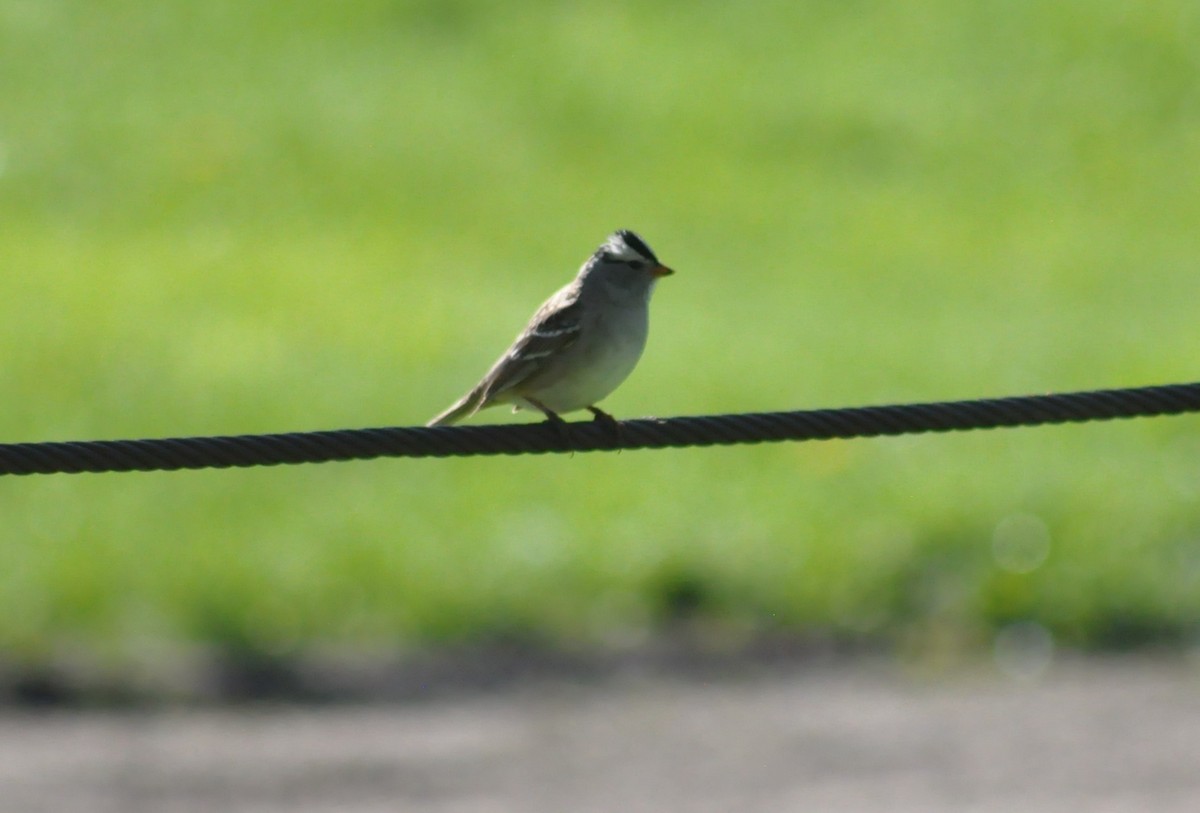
(616,259)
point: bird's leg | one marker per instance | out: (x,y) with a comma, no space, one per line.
(609,422)
(556,421)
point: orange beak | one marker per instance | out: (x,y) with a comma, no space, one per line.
(661,271)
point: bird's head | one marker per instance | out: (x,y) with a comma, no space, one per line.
(625,259)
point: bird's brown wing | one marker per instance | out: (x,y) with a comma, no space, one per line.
(554,328)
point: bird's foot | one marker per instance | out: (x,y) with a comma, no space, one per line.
(563,430)
(610,423)
(560,427)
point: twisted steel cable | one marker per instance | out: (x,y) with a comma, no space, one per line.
(169,454)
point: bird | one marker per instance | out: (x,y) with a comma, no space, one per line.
(581,344)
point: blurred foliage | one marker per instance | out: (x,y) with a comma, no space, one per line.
(232,217)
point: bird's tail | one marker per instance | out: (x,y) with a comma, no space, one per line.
(464,407)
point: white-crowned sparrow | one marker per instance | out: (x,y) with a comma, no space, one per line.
(581,344)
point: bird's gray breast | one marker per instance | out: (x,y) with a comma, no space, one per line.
(611,342)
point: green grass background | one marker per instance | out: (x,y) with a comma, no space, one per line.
(230,217)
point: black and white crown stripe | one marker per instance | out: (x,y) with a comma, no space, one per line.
(626,246)
(632,243)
